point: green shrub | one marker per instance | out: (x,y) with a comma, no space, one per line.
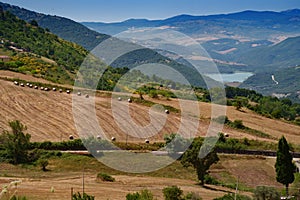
(238,124)
(222,119)
(143,195)
(192,196)
(172,193)
(210,180)
(133,196)
(232,197)
(18,198)
(264,192)
(43,163)
(105,177)
(85,196)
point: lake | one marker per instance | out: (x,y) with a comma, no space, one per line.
(233,77)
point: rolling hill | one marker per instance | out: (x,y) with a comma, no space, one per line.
(286,83)
(63,27)
(49,116)
(36,51)
(78,33)
(282,55)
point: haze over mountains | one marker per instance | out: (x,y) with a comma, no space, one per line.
(263,43)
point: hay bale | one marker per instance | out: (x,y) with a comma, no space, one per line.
(54,89)
(46,89)
(36,87)
(68,91)
(99,137)
(30,85)
(87,96)
(167,111)
(113,139)
(78,93)
(22,84)
(27,84)
(71,137)
(119,99)
(226,134)
(147,141)
(60,90)
(129,100)
(42,88)
(16,83)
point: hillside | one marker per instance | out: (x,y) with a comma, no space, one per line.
(63,27)
(288,83)
(36,51)
(265,59)
(232,40)
(48,115)
(71,61)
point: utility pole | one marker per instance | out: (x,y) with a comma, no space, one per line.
(236,189)
(83,181)
(71,193)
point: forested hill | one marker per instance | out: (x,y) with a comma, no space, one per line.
(34,50)
(63,27)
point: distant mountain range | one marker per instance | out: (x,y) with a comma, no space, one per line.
(228,38)
(264,43)
(247,24)
(75,32)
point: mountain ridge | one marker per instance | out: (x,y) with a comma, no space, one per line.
(249,15)
(61,26)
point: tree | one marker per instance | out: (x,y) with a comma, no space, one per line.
(34,23)
(284,164)
(172,193)
(16,143)
(176,143)
(43,163)
(265,193)
(240,102)
(140,92)
(191,158)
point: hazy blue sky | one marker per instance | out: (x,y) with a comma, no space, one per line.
(120,10)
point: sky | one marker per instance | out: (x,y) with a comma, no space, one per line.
(120,10)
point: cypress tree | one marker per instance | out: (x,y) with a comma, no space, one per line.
(284,164)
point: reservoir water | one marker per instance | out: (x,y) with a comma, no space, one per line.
(233,77)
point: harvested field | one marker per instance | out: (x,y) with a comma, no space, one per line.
(49,116)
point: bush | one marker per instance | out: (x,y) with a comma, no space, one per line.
(238,124)
(18,198)
(143,195)
(232,197)
(172,193)
(264,192)
(105,177)
(43,163)
(210,180)
(85,196)
(134,196)
(192,196)
(222,119)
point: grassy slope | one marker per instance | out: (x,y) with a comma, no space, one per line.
(63,175)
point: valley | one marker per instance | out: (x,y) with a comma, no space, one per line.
(49,121)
